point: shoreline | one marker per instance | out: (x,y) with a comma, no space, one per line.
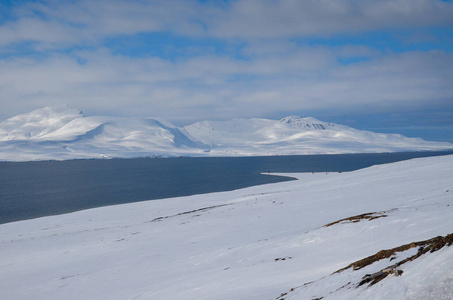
(254,243)
(67,186)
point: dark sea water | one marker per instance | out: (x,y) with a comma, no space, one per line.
(35,189)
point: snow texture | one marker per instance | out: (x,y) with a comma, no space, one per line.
(262,242)
(61,132)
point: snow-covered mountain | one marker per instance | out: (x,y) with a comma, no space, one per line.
(296,135)
(60,132)
(64,133)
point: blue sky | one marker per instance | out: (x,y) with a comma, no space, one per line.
(385,66)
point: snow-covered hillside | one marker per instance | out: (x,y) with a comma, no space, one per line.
(64,133)
(384,232)
(296,135)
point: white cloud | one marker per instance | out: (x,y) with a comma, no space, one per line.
(212,87)
(88,21)
(294,18)
(274,72)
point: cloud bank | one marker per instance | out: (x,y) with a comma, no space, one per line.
(192,60)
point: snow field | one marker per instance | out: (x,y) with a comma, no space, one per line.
(254,243)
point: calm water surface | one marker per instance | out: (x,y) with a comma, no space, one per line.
(35,189)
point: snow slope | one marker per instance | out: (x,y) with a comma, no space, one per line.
(64,133)
(38,124)
(289,240)
(296,135)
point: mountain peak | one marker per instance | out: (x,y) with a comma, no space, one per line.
(307,123)
(37,122)
(51,113)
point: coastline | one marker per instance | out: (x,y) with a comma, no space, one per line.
(254,243)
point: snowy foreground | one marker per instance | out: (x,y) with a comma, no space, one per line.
(264,242)
(60,132)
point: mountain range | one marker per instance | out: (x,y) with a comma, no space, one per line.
(61,132)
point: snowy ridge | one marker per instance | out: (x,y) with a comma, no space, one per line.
(59,133)
(307,123)
(38,123)
(64,133)
(324,236)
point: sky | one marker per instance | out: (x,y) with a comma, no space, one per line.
(385,66)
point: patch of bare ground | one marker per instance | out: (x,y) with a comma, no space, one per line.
(188,212)
(430,245)
(283,258)
(354,219)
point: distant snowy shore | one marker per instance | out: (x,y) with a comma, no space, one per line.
(60,132)
(378,233)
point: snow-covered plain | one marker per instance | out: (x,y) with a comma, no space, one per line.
(60,132)
(262,242)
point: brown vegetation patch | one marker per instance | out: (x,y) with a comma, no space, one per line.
(430,245)
(188,212)
(358,218)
